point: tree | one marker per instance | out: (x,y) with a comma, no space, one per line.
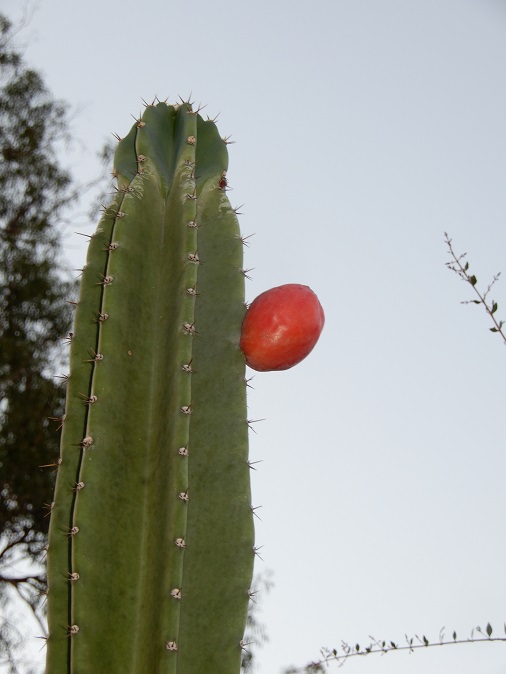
(34,312)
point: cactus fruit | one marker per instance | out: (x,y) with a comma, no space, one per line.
(281,327)
(151,540)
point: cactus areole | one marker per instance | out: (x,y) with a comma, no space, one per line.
(281,327)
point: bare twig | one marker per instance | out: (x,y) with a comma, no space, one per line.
(379,646)
(460,266)
(34,602)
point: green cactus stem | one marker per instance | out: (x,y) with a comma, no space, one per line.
(151,541)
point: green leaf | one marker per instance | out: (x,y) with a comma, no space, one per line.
(473,280)
(489,629)
(493,330)
(425,640)
(454,636)
(494,307)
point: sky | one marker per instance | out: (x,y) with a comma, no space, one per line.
(363,129)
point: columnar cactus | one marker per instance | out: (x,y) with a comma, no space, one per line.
(151,540)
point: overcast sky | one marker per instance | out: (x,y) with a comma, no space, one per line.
(364,129)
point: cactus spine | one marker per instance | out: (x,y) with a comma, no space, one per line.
(150,551)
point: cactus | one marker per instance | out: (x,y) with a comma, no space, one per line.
(151,541)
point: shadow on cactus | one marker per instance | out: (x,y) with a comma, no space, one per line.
(151,542)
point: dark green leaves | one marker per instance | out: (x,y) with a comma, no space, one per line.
(34,313)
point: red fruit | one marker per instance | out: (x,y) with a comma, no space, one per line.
(281,327)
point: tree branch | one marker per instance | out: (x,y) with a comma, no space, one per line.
(461,268)
(380,646)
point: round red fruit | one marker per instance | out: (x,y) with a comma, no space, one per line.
(281,327)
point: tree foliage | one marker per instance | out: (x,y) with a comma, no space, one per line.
(34,313)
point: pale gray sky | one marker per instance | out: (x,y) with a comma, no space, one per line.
(364,129)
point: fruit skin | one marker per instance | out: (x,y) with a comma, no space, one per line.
(281,327)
